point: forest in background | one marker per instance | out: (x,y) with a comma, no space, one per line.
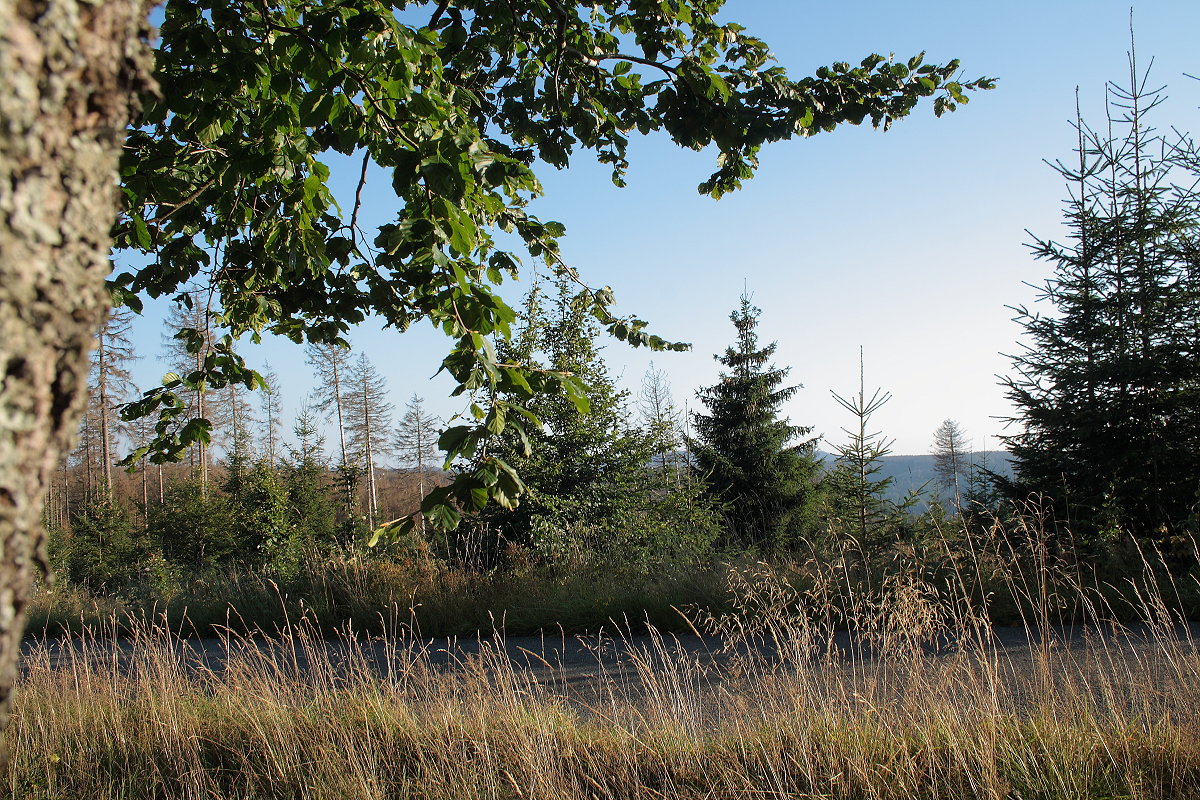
(614,487)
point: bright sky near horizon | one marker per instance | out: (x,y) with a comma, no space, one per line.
(910,243)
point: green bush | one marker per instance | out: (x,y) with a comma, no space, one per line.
(261,516)
(104,550)
(194,528)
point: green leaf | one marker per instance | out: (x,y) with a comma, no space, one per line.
(453,440)
(392,530)
(142,233)
(442,177)
(496,419)
(576,393)
(444,517)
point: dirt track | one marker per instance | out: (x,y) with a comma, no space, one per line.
(576,665)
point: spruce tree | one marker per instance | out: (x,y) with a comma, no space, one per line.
(86,455)
(952,460)
(587,469)
(261,514)
(332,362)
(188,343)
(1106,386)
(111,383)
(661,420)
(745,453)
(305,477)
(236,436)
(857,509)
(272,415)
(195,528)
(106,548)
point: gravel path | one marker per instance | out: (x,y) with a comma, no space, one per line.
(573,662)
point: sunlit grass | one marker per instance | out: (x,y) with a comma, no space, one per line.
(919,702)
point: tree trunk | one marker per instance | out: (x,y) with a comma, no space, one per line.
(372,497)
(105,452)
(66,490)
(201,448)
(70,72)
(337,401)
(420,474)
(89,478)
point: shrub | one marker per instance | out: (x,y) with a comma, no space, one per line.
(104,549)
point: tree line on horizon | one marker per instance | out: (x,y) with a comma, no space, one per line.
(629,479)
(243,491)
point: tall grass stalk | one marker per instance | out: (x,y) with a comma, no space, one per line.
(818,691)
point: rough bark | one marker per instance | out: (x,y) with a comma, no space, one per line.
(70,71)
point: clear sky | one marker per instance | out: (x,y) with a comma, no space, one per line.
(910,243)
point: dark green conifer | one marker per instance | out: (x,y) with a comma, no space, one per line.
(858,513)
(744,451)
(594,489)
(583,465)
(306,479)
(1106,387)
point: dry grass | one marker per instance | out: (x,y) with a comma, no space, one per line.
(918,702)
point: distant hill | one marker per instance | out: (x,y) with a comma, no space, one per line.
(911,473)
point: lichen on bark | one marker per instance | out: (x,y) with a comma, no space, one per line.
(72,71)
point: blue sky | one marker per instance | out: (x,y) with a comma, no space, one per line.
(909,243)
